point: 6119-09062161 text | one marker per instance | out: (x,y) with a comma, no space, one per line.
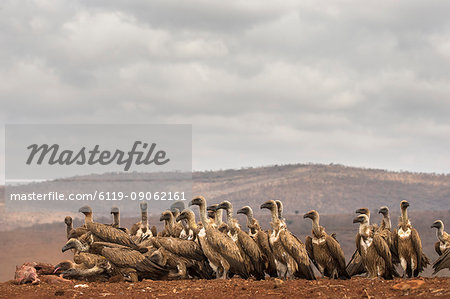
(99,195)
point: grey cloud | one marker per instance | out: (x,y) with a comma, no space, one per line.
(261,83)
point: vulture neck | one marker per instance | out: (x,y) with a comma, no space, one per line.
(404,219)
(275,220)
(169,224)
(81,247)
(440,234)
(218,217)
(144,217)
(364,229)
(88,218)
(316,227)
(250,219)
(203,217)
(116,219)
(387,221)
(229,215)
(69,229)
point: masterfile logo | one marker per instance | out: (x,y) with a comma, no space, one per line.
(53,155)
(57,166)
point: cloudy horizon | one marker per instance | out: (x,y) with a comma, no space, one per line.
(262,83)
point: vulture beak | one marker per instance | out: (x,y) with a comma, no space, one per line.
(306,216)
(242,211)
(265,206)
(66,247)
(56,269)
(357,220)
(359,211)
(181,217)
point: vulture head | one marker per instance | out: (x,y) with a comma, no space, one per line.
(114,210)
(362,219)
(225,205)
(404,204)
(143,206)
(198,201)
(74,244)
(186,214)
(384,210)
(438,224)
(63,266)
(85,210)
(364,211)
(245,210)
(313,215)
(212,208)
(166,215)
(68,220)
(270,205)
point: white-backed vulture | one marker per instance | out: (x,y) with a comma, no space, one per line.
(141,228)
(409,245)
(289,253)
(373,249)
(356,266)
(262,239)
(324,250)
(255,260)
(385,230)
(223,254)
(443,242)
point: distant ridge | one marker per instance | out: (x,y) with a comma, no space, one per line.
(330,189)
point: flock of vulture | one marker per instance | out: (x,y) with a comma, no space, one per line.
(212,248)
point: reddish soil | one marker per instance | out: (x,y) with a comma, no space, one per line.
(271,288)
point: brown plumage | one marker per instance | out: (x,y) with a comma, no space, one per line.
(171,228)
(141,228)
(218,247)
(443,242)
(324,250)
(409,245)
(373,249)
(250,251)
(289,253)
(262,239)
(110,234)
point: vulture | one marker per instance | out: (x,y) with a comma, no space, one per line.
(71,269)
(262,239)
(222,252)
(443,242)
(141,228)
(356,266)
(373,249)
(324,250)
(289,253)
(409,245)
(255,260)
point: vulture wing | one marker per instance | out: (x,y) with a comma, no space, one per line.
(185,248)
(422,259)
(338,255)
(437,247)
(297,250)
(442,262)
(385,253)
(111,234)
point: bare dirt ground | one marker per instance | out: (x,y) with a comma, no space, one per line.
(236,288)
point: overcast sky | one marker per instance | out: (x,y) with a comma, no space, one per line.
(262,82)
